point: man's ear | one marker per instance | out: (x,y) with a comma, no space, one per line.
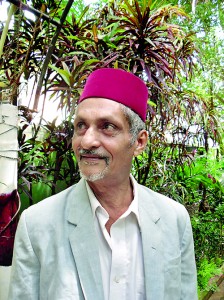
(141,142)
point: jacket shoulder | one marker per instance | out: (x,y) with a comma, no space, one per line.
(50,208)
(159,206)
(159,200)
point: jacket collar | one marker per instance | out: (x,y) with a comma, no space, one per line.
(83,242)
(151,231)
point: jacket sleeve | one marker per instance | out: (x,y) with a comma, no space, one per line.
(188,266)
(25,270)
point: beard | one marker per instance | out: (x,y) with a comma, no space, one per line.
(97,175)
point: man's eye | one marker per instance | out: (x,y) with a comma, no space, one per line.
(109,127)
(80,126)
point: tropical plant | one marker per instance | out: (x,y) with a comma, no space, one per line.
(47,162)
(206,271)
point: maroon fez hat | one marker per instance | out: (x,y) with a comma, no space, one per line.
(117,85)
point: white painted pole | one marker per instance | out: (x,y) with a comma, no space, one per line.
(8,147)
(8,169)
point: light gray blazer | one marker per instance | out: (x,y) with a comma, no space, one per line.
(56,253)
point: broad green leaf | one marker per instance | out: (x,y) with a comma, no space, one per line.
(3,85)
(64,74)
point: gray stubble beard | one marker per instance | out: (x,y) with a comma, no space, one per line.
(99,175)
(96,176)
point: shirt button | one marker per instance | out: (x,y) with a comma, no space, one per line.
(116,279)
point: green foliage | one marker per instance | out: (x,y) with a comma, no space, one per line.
(206,271)
(207,82)
(208,233)
(47,162)
(144,37)
(185,176)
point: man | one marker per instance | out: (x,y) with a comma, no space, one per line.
(106,237)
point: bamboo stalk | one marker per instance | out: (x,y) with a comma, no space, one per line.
(12,10)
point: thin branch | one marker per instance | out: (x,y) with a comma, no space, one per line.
(193,5)
(34,11)
(49,53)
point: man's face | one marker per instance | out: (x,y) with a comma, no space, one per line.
(101,140)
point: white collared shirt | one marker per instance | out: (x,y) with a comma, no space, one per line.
(121,255)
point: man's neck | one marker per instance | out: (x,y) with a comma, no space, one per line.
(115,199)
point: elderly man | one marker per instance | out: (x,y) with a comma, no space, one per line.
(106,237)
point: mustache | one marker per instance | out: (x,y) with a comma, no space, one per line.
(94,152)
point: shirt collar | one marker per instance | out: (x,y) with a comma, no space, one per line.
(132,208)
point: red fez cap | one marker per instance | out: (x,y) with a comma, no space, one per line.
(117,85)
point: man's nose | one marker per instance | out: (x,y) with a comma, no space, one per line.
(90,139)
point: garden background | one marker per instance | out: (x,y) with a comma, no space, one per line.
(176,46)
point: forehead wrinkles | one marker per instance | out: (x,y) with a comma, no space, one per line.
(101,113)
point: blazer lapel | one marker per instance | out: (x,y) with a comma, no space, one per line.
(83,242)
(152,245)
